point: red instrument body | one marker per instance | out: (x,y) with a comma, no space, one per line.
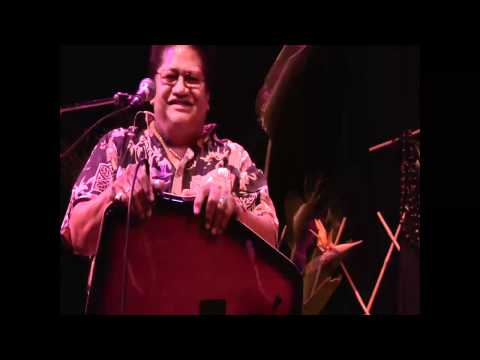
(175,267)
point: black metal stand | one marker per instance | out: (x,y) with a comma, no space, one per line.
(119,99)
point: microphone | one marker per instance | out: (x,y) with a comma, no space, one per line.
(145,92)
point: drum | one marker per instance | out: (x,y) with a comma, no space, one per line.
(175,267)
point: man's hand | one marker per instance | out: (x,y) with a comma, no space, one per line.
(220,207)
(143,191)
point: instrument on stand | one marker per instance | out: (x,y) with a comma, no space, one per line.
(175,267)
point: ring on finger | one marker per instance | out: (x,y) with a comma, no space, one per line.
(119,195)
(221,202)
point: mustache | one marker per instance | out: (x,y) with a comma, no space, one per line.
(180,102)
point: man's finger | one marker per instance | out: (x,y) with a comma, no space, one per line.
(229,210)
(212,203)
(199,199)
(144,181)
(219,217)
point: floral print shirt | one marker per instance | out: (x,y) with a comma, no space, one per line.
(212,159)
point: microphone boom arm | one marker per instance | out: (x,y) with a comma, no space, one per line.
(117,100)
(145,93)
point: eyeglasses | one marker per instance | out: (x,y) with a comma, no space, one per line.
(190,80)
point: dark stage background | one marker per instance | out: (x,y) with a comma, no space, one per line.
(380,92)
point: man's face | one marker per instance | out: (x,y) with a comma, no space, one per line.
(182,98)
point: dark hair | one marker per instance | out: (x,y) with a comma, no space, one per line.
(206,53)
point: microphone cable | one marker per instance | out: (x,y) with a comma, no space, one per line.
(74,145)
(127,230)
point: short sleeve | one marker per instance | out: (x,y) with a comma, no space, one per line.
(96,176)
(251,189)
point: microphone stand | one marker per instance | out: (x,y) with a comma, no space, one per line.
(119,99)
